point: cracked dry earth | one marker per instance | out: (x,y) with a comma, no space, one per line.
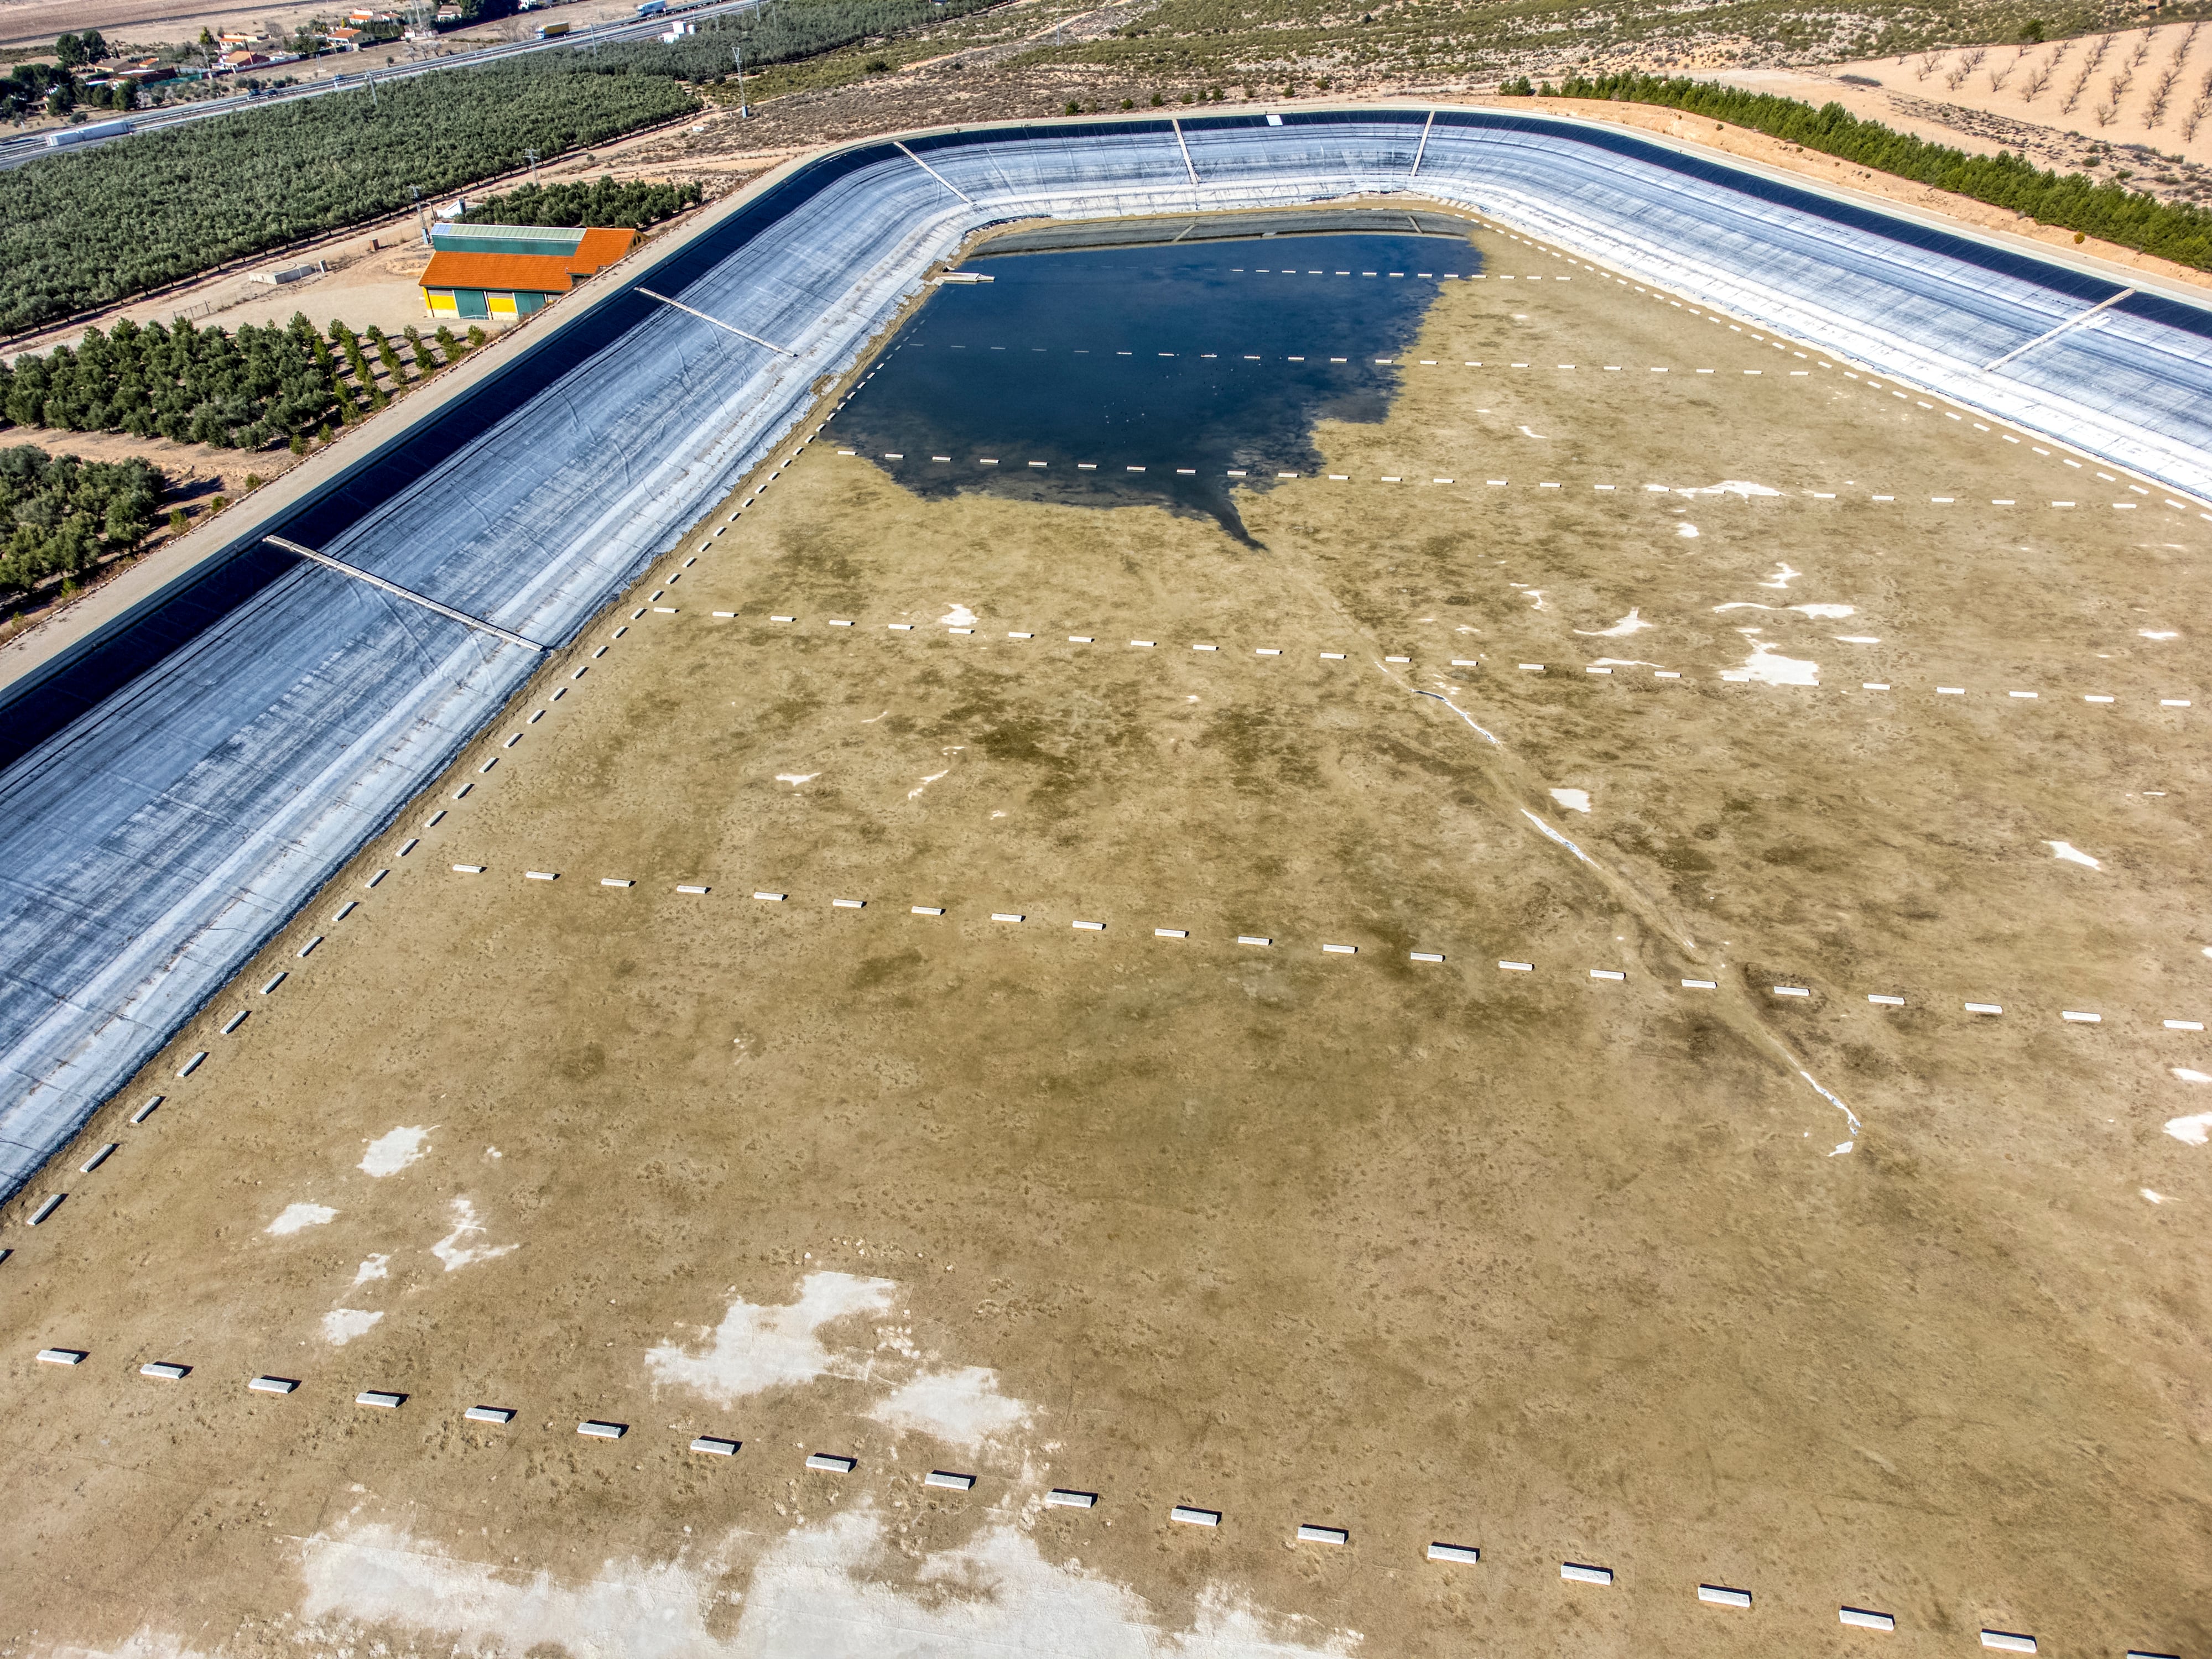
(1563,1269)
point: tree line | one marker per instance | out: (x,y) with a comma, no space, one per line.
(2176,231)
(59,515)
(633,205)
(783,32)
(83,230)
(259,386)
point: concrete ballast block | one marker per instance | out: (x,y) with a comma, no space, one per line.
(1191,1516)
(831,1463)
(1577,1573)
(948,1479)
(1466,1554)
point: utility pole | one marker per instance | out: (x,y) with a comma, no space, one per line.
(419,218)
(745,111)
(533,154)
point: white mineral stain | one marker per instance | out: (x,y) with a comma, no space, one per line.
(756,1348)
(2194,1131)
(2191,1074)
(146,1644)
(375,1266)
(1741,604)
(1766,666)
(797,777)
(388,1154)
(1783,576)
(1686,529)
(961,1407)
(1731,487)
(1858,638)
(2072,854)
(299,1216)
(958,616)
(1828,612)
(1630,623)
(1574,800)
(342,1325)
(914,794)
(2156,1198)
(815,1592)
(2158,633)
(450,1250)
(1842,1148)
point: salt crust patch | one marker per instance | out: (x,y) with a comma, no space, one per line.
(297,1216)
(961,1407)
(375,1266)
(1574,800)
(388,1154)
(1731,487)
(148,1643)
(813,1594)
(1630,623)
(796,778)
(454,1254)
(958,616)
(2191,1074)
(2192,1131)
(1828,612)
(342,1325)
(1766,666)
(2072,854)
(756,1348)
(1686,529)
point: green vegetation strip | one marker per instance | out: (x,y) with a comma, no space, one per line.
(2073,200)
(61,516)
(633,205)
(86,230)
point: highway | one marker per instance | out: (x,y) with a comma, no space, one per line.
(15,152)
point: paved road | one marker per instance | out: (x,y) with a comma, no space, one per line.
(14,152)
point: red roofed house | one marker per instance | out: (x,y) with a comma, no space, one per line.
(512,271)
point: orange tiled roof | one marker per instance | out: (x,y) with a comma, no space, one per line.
(600,249)
(533,273)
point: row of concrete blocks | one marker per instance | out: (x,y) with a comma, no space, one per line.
(1578,1572)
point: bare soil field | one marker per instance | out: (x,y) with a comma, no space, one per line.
(788,1103)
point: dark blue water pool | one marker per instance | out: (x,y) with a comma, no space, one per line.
(1172,374)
